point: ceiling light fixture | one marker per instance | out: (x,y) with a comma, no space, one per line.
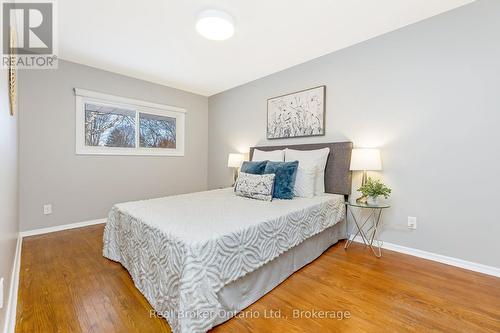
(215,24)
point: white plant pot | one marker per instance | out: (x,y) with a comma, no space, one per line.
(372,200)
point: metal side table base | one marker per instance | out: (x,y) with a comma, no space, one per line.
(372,220)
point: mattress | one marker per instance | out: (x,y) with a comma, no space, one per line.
(182,250)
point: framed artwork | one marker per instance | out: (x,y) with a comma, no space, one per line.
(298,114)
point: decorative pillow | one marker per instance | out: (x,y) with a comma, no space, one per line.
(284,181)
(255,186)
(255,168)
(311,159)
(304,182)
(273,155)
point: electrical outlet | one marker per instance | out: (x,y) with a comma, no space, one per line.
(1,293)
(412,222)
(47,209)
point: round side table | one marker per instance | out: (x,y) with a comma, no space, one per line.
(372,221)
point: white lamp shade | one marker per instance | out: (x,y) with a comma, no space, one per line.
(366,159)
(235,160)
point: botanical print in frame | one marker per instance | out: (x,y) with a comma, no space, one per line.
(298,114)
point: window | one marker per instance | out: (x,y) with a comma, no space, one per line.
(109,126)
(156,131)
(112,125)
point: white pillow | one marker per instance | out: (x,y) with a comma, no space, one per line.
(304,182)
(273,155)
(311,159)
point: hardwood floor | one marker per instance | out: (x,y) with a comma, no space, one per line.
(67,286)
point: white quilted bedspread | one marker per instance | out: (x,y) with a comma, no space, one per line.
(181,250)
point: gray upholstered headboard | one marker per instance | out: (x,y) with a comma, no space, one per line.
(337,173)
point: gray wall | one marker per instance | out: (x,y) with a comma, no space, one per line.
(83,188)
(428,96)
(9,227)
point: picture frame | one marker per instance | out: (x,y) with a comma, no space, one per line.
(297,114)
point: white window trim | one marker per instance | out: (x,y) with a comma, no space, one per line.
(83,96)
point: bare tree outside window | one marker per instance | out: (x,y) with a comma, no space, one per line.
(115,125)
(157,131)
(109,126)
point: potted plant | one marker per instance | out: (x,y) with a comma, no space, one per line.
(374,188)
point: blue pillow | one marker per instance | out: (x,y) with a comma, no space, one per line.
(284,180)
(255,168)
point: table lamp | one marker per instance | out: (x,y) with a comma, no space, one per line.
(234,161)
(365,159)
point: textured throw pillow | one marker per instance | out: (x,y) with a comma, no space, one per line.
(255,168)
(311,159)
(284,181)
(273,155)
(255,186)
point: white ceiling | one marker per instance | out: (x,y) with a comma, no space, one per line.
(155,40)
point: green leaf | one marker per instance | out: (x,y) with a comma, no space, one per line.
(375,188)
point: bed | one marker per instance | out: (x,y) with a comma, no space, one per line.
(200,258)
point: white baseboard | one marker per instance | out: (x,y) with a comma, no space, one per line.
(61,227)
(472,266)
(10,311)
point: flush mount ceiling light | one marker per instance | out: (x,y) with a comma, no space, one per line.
(215,24)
